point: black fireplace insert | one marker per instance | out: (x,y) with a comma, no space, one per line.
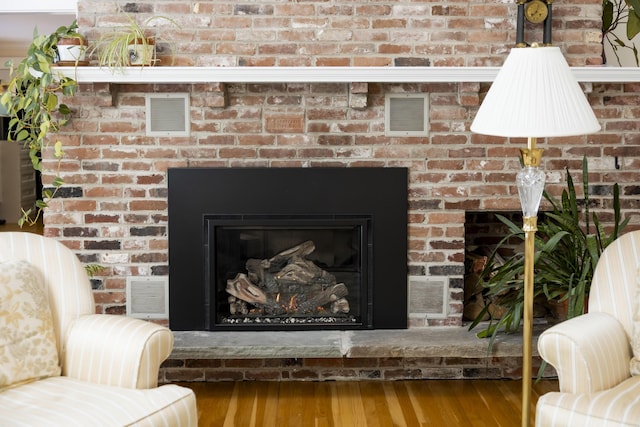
(281,249)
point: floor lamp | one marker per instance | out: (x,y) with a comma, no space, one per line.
(534,95)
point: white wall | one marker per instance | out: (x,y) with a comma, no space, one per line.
(17,181)
(18,20)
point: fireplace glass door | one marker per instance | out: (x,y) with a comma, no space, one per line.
(271,272)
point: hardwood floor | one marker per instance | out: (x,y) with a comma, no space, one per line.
(489,403)
(38,228)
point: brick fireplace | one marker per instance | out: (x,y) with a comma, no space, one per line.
(113,210)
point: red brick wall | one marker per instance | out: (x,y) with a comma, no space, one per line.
(349,33)
(334,369)
(113,209)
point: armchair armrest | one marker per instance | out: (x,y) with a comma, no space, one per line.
(590,352)
(116,350)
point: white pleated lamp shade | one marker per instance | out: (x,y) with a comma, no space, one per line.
(535,94)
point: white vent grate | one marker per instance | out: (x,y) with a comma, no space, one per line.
(167,114)
(407,114)
(148,297)
(428,298)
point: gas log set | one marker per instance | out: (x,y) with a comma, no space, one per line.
(287,288)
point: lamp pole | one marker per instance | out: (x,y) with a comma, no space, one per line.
(530,181)
(530,228)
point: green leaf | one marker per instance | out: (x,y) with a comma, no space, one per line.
(35,160)
(57,182)
(634,7)
(43,64)
(633,25)
(92,269)
(585,189)
(51,101)
(57,150)
(22,135)
(607,15)
(513,228)
(5,99)
(64,109)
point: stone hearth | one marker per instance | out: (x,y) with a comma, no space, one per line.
(438,352)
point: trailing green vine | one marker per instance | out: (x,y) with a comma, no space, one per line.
(33,102)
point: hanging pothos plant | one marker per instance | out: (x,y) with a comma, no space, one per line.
(36,113)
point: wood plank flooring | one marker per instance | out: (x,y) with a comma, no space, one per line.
(38,228)
(482,403)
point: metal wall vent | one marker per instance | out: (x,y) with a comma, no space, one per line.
(407,114)
(428,298)
(167,114)
(148,297)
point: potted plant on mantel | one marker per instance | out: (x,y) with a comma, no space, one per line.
(130,45)
(72,50)
(34,106)
(566,255)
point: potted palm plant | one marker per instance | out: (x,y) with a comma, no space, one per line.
(33,101)
(131,45)
(568,247)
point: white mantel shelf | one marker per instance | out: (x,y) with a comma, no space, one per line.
(324,74)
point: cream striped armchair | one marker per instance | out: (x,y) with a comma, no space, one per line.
(592,353)
(106,367)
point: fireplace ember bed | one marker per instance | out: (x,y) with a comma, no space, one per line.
(287,249)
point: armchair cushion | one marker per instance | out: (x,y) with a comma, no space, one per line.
(635,339)
(68,402)
(617,406)
(27,341)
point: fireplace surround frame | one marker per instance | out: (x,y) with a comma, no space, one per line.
(195,194)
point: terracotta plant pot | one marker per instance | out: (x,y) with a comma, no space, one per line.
(557,311)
